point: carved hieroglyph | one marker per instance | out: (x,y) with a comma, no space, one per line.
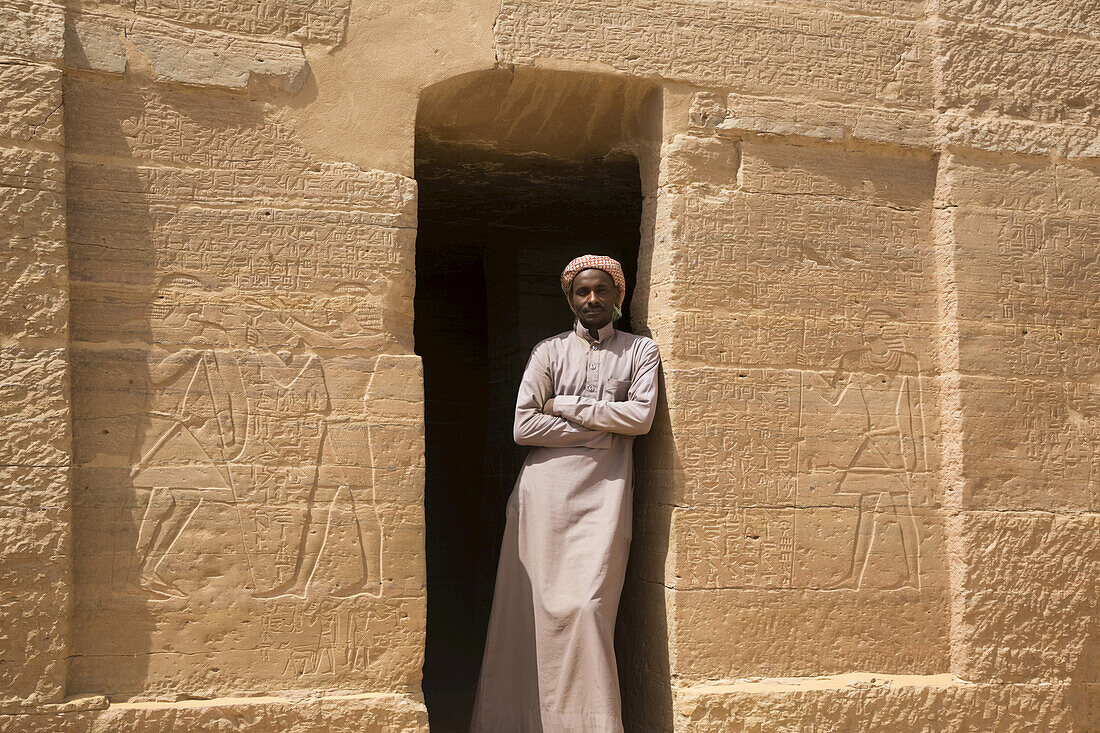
(869,256)
(247,435)
(223,412)
(802,407)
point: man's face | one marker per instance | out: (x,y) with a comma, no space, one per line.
(593,298)
(874,327)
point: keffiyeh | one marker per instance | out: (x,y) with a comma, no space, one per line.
(597,262)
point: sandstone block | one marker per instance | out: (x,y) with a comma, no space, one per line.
(35,411)
(34,302)
(32,169)
(828,121)
(32,30)
(30,102)
(871,59)
(1018,74)
(1031,444)
(370,712)
(305,20)
(182,54)
(807,632)
(876,702)
(1026,610)
(94,41)
(211,59)
(1026,261)
(1058,17)
(34,584)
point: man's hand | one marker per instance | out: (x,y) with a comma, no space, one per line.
(548,407)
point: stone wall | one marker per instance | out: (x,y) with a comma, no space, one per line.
(869,255)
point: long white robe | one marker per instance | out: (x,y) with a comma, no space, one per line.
(549,663)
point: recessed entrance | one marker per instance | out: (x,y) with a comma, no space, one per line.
(518,173)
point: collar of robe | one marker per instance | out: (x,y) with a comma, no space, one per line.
(605,333)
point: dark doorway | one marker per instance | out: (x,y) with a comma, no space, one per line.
(495,229)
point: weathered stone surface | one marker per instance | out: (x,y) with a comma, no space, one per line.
(33,301)
(182,54)
(34,574)
(30,102)
(32,30)
(795,50)
(802,632)
(1063,16)
(868,253)
(306,20)
(876,702)
(213,59)
(1031,444)
(832,121)
(371,712)
(95,42)
(34,414)
(33,169)
(1035,76)
(1026,601)
(1011,135)
(35,446)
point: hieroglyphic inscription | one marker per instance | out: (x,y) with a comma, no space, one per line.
(824,259)
(324,262)
(741,425)
(1033,443)
(813,297)
(323,21)
(775,48)
(245,478)
(1030,330)
(1048,269)
(322,640)
(239,412)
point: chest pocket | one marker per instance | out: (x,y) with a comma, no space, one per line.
(616,389)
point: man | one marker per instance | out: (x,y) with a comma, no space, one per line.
(549,663)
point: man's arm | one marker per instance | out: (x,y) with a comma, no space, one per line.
(532,427)
(632,416)
(911,422)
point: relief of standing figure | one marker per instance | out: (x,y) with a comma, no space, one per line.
(878,386)
(293,420)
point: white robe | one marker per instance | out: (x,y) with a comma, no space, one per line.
(549,663)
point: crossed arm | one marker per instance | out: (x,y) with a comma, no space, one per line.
(582,421)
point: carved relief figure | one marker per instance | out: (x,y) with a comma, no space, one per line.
(288,405)
(239,412)
(289,439)
(876,392)
(196,422)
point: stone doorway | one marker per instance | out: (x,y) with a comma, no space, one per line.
(518,172)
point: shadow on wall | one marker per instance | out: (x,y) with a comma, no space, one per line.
(113,619)
(228,539)
(641,634)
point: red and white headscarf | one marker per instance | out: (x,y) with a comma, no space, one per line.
(594,262)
